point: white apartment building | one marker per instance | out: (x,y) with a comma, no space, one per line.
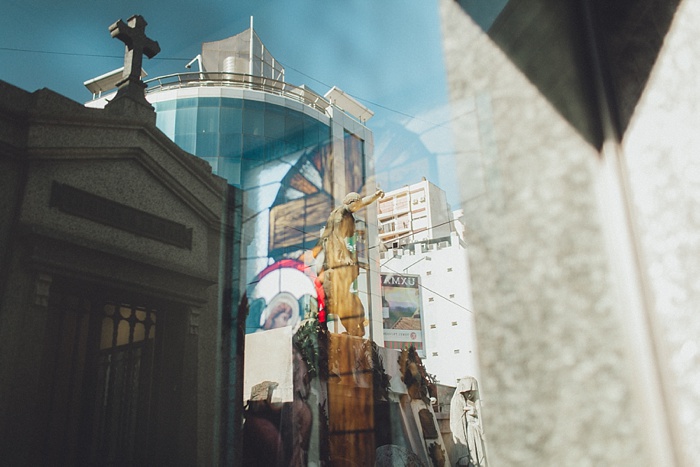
(429,244)
(413,213)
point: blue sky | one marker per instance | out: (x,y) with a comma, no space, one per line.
(386,53)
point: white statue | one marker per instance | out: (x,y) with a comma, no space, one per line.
(465,423)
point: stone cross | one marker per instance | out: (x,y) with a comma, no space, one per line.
(133,34)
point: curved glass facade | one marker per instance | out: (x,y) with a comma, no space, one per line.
(235,135)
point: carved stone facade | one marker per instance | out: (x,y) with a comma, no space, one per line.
(109,254)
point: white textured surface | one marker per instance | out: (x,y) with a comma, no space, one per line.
(661,146)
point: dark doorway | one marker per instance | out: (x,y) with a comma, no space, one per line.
(103,361)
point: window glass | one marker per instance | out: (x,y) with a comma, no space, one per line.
(324,182)
(291,240)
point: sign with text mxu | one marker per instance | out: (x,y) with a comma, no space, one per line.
(401,311)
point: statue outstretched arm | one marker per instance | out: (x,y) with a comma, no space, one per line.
(366,201)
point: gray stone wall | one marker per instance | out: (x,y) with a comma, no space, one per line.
(556,388)
(583,255)
(119,155)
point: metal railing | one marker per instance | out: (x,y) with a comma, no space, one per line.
(238,80)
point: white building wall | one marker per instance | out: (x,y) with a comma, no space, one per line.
(446,303)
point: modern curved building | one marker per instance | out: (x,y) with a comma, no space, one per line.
(292,152)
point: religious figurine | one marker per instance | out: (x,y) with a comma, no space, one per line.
(340,268)
(419,383)
(465,424)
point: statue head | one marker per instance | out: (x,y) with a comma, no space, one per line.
(468,387)
(351,198)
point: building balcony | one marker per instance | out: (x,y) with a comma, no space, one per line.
(392,212)
(200,79)
(389,234)
(238,80)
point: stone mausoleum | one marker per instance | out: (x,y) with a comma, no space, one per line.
(109,280)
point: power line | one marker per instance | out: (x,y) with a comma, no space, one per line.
(307,266)
(317,235)
(363,99)
(432,291)
(376,104)
(13,49)
(397,272)
(75,54)
(410,233)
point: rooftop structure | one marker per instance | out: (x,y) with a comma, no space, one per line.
(241,61)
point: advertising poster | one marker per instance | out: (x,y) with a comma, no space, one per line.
(401,311)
